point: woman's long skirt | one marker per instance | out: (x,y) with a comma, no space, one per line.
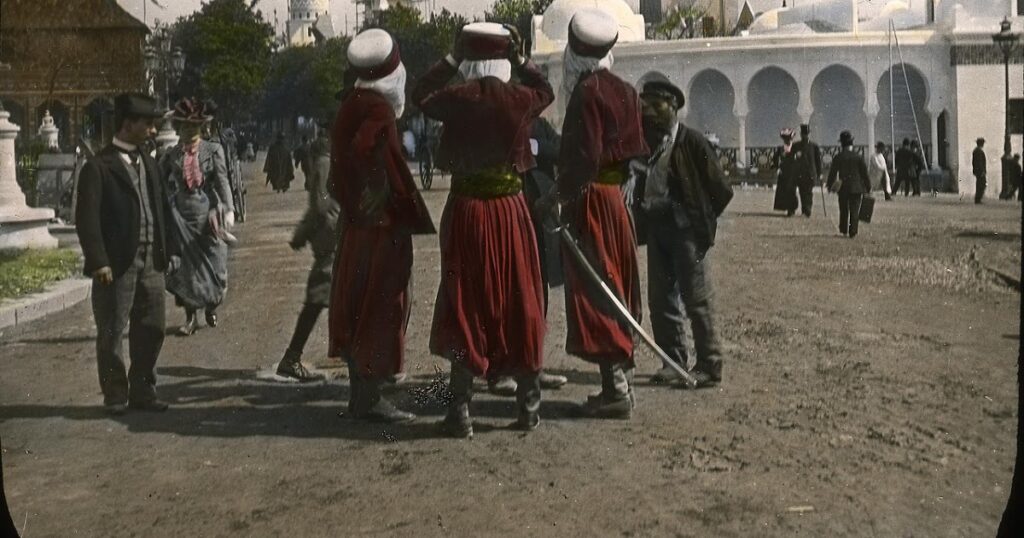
(202,279)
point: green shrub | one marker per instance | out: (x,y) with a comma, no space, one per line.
(23,272)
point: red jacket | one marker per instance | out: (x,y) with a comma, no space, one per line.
(487,122)
(602,128)
(365,150)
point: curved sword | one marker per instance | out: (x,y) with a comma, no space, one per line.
(581,260)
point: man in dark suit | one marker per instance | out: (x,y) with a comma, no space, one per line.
(681,196)
(854,182)
(121,212)
(906,168)
(807,155)
(979,163)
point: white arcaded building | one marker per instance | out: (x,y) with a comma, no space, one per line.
(826,63)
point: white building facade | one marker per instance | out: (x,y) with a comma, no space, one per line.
(947,74)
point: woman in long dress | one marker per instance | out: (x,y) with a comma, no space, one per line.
(201,209)
(786,163)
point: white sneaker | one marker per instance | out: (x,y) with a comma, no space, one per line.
(666,374)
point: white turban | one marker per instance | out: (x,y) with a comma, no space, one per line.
(391,86)
(574,66)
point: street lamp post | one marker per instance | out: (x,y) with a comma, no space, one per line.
(169,62)
(1006,40)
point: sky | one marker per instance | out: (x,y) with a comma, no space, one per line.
(339,9)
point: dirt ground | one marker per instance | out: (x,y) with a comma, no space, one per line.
(869,391)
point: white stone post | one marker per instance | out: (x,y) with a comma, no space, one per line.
(21,226)
(166,137)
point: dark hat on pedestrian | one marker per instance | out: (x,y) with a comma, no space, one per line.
(593,32)
(485,41)
(211,107)
(880,145)
(373,54)
(805,129)
(136,105)
(664,89)
(846,138)
(190,111)
(980,141)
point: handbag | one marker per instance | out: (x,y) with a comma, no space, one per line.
(867,208)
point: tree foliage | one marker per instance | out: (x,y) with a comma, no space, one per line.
(680,21)
(228,48)
(302,81)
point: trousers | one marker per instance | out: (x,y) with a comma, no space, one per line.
(677,279)
(134,300)
(527,389)
(849,213)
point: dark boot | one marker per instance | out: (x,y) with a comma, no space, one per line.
(191,324)
(528,402)
(372,407)
(613,401)
(456,422)
(291,366)
(211,316)
(629,380)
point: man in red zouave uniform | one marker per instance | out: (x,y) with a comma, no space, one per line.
(602,132)
(381,208)
(489,314)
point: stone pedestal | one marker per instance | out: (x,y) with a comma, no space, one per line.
(48,132)
(21,226)
(166,137)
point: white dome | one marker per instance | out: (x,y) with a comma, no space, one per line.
(309,6)
(555,24)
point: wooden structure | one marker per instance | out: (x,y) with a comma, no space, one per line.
(70,57)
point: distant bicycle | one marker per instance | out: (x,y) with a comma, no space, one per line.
(426,159)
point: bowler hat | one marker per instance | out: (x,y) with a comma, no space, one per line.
(663,88)
(846,138)
(136,105)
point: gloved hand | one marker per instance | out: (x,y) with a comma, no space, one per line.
(229,219)
(173,264)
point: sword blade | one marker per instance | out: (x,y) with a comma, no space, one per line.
(581,260)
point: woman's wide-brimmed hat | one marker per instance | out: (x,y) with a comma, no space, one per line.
(786,133)
(190,111)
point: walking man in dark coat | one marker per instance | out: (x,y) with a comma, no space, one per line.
(681,197)
(979,163)
(807,157)
(908,165)
(852,173)
(121,213)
